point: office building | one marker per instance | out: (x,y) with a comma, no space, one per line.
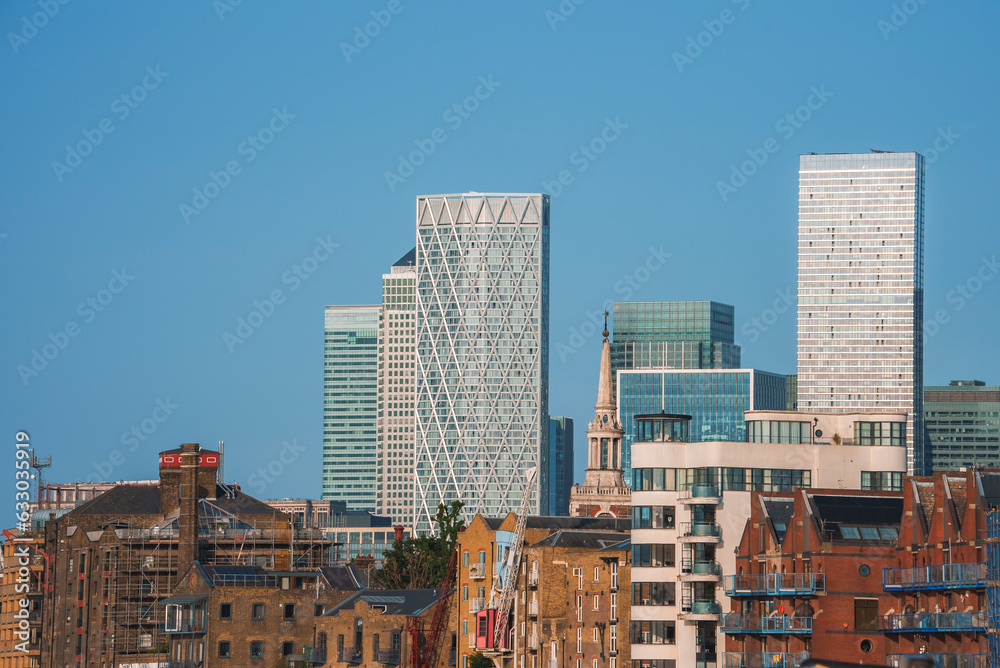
(560,464)
(792,403)
(691,502)
(603,492)
(396,386)
(714,398)
(673,335)
(482,351)
(350,405)
(962,420)
(860,287)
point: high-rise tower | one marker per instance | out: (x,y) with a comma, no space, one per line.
(860,292)
(603,492)
(482,351)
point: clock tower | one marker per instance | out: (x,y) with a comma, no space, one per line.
(603,492)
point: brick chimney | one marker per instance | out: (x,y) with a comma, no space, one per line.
(187,548)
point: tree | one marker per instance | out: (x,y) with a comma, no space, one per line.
(422,562)
(479,660)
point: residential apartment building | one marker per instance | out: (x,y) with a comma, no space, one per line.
(396,427)
(22,587)
(482,351)
(861,287)
(690,499)
(962,420)
(350,405)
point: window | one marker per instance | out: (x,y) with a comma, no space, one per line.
(864,570)
(465,558)
(287,648)
(653,555)
(318,610)
(652,633)
(653,593)
(597,574)
(225,649)
(579,640)
(613,636)
(465,591)
(652,517)
(597,601)
(579,607)
(257,611)
(597,638)
(866,646)
(578,573)
(256,649)
(225,611)
(614,606)
(865,613)
(465,627)
(289,611)
(614,575)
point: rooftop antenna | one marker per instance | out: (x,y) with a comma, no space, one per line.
(38,464)
(222,478)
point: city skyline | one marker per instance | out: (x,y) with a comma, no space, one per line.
(175,261)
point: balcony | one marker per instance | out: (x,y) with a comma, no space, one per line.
(315,655)
(933,622)
(700,495)
(940,576)
(944,660)
(350,655)
(532,642)
(699,532)
(533,608)
(734,623)
(477,604)
(700,571)
(472,641)
(762,659)
(532,578)
(704,610)
(775,584)
(477,571)
(388,656)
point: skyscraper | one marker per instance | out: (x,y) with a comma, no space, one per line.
(397,369)
(860,292)
(963,424)
(676,335)
(482,351)
(560,461)
(350,405)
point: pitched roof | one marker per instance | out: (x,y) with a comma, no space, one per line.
(123,500)
(587,539)
(408,260)
(342,577)
(406,602)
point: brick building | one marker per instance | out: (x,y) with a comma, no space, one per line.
(115,557)
(864,578)
(249,616)
(571,591)
(21,589)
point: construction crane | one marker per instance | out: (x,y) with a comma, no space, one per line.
(502,593)
(426,656)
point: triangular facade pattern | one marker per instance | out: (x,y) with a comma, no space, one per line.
(482,351)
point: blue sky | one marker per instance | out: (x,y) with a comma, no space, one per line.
(205,150)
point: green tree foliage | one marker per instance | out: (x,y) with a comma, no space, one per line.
(479,660)
(422,562)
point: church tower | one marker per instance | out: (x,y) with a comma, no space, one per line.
(603,492)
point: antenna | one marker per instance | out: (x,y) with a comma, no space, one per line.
(38,464)
(222,478)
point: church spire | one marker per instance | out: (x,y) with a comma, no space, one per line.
(605,389)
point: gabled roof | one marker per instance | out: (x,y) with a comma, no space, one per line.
(779,513)
(123,500)
(837,511)
(407,602)
(586,539)
(342,577)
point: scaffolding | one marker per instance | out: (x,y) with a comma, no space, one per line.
(993,584)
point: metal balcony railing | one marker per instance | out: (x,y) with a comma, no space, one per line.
(701,567)
(945,660)
(532,641)
(705,493)
(734,623)
(472,641)
(939,576)
(477,571)
(533,608)
(933,622)
(532,578)
(699,529)
(388,656)
(314,654)
(350,655)
(700,606)
(762,659)
(774,584)
(477,604)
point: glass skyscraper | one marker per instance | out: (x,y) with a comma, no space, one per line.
(675,335)
(350,405)
(397,356)
(482,351)
(860,287)
(560,464)
(714,398)
(963,424)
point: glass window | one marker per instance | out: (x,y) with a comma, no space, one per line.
(225,649)
(256,649)
(865,614)
(225,611)
(257,611)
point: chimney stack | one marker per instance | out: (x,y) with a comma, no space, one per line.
(188,502)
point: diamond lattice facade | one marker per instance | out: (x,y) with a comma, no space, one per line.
(860,292)
(482,351)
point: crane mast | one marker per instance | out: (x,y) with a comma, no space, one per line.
(502,593)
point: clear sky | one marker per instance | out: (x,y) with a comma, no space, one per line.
(166,165)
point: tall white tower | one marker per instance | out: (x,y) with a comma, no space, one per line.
(860,293)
